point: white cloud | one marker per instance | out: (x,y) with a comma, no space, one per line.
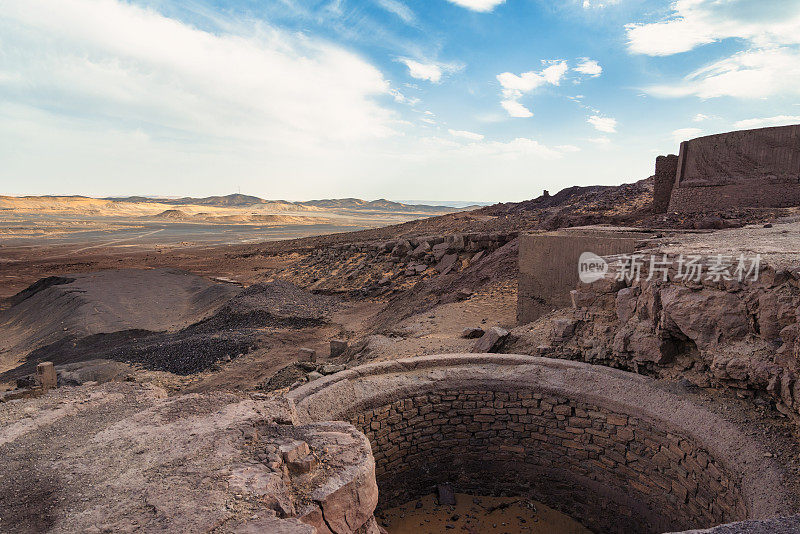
(684,134)
(700,117)
(515,86)
(693,23)
(589,4)
(430,71)
(780,120)
(518,147)
(112,61)
(750,74)
(466,134)
(768,63)
(568,148)
(600,141)
(478,5)
(603,124)
(589,67)
(515,109)
(399,9)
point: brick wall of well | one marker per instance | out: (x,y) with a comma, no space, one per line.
(611,471)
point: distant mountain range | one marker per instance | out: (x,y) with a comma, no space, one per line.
(238,200)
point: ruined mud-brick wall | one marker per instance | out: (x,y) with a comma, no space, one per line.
(750,168)
(741,335)
(380,267)
(548,265)
(612,471)
(666,171)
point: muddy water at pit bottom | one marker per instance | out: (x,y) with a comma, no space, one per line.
(471,514)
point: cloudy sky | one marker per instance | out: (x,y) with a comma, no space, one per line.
(480,100)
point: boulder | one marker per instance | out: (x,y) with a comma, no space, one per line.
(331,368)
(707,316)
(563,328)
(421,250)
(490,339)
(446,264)
(472,332)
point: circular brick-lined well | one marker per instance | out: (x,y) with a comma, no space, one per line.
(609,448)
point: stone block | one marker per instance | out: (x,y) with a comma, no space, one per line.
(46,375)
(307,355)
(548,266)
(294,450)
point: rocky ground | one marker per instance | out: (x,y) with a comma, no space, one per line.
(127,328)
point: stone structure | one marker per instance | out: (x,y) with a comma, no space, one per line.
(666,171)
(749,168)
(46,375)
(548,264)
(307,355)
(609,448)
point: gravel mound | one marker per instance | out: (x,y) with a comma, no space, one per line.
(236,328)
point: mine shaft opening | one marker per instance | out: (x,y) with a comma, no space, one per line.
(490,431)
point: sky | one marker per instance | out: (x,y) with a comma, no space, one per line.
(469,100)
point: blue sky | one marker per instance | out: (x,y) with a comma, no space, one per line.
(481,100)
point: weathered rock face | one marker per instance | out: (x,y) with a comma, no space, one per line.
(750,168)
(726,334)
(121,457)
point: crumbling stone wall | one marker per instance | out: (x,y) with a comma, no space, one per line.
(666,172)
(750,168)
(373,268)
(576,457)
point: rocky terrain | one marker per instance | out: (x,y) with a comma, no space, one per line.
(200,347)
